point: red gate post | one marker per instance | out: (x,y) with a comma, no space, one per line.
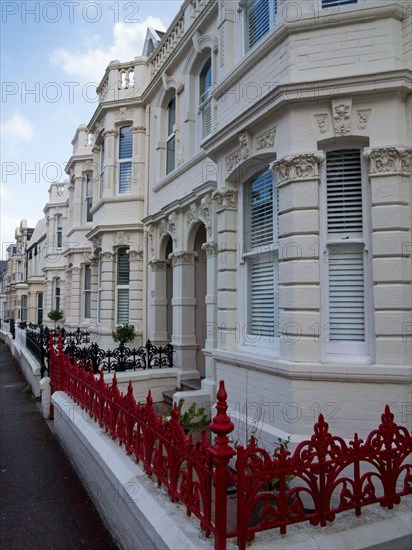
(222,453)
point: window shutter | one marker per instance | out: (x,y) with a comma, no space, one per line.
(346,294)
(344,193)
(122,267)
(123,306)
(207,119)
(261,16)
(125,175)
(125,142)
(261,210)
(335,3)
(262,297)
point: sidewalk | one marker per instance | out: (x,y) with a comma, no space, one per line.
(43,503)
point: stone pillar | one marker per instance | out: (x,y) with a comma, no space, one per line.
(183,303)
(94,262)
(299,267)
(107,313)
(227,264)
(210,382)
(69,312)
(158,301)
(136,292)
(73,295)
(389,174)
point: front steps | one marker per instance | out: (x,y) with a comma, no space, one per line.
(187,385)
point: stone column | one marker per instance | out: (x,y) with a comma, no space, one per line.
(389,174)
(227,264)
(183,303)
(94,263)
(158,301)
(74,294)
(299,267)
(107,313)
(69,313)
(136,292)
(210,382)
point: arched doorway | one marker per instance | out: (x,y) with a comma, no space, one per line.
(200,296)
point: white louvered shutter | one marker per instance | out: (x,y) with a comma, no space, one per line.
(260,18)
(125,166)
(345,248)
(123,276)
(337,3)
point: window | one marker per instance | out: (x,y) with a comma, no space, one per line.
(171,135)
(101,177)
(334,3)
(260,19)
(346,252)
(57,293)
(39,303)
(205,98)
(87,291)
(125,162)
(123,275)
(59,230)
(261,259)
(88,199)
(24,307)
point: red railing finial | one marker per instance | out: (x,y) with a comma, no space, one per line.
(221,424)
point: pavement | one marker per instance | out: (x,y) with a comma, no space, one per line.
(43,503)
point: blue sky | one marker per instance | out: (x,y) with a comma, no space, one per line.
(52,56)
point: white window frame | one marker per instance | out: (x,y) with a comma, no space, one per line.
(248,342)
(59,231)
(123,162)
(23,305)
(57,293)
(172,135)
(122,287)
(87,292)
(343,351)
(272,22)
(88,196)
(102,169)
(39,318)
(205,100)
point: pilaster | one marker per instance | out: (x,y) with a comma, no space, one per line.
(158,301)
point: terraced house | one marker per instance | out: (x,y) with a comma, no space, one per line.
(243,191)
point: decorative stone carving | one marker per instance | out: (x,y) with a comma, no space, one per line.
(323,123)
(233,160)
(138,129)
(162,229)
(341,116)
(297,167)
(121,238)
(388,160)
(244,142)
(204,209)
(150,240)
(240,154)
(363,118)
(191,215)
(266,140)
(136,255)
(226,198)
(158,265)
(109,133)
(124,114)
(108,256)
(210,249)
(183,258)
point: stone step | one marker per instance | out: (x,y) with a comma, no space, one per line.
(194,384)
(168,397)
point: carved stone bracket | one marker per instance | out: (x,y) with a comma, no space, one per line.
(384,161)
(183,258)
(322,122)
(124,114)
(205,205)
(266,140)
(109,133)
(341,116)
(210,249)
(121,238)
(108,256)
(138,129)
(240,154)
(298,167)
(150,240)
(191,214)
(158,265)
(136,255)
(226,199)
(363,118)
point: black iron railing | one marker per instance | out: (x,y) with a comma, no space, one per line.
(13,328)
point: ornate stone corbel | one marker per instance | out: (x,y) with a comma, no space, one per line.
(150,240)
(341,116)
(191,215)
(322,122)
(158,265)
(205,205)
(210,249)
(108,256)
(363,118)
(183,258)
(121,238)
(383,161)
(226,198)
(136,255)
(266,140)
(297,167)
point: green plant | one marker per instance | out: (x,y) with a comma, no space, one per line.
(55,315)
(124,333)
(192,418)
(27,389)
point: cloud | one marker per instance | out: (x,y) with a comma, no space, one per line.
(4,192)
(91,62)
(15,130)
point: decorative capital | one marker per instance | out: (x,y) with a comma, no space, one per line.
(108,256)
(191,215)
(384,161)
(183,258)
(158,265)
(210,249)
(138,129)
(136,255)
(226,199)
(298,167)
(109,133)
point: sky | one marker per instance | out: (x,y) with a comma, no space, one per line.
(53,55)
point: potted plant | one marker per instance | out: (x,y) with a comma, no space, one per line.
(123,334)
(55,315)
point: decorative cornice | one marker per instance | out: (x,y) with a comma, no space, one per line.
(226,199)
(210,249)
(158,265)
(266,139)
(297,167)
(183,258)
(384,161)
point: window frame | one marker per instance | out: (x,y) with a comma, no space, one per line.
(249,341)
(205,98)
(272,22)
(346,350)
(88,196)
(124,162)
(59,230)
(122,288)
(87,292)
(171,135)
(39,307)
(57,293)
(102,169)
(23,307)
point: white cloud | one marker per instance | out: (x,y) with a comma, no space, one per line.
(15,130)
(4,192)
(90,63)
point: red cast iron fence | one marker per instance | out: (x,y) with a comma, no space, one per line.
(323,476)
